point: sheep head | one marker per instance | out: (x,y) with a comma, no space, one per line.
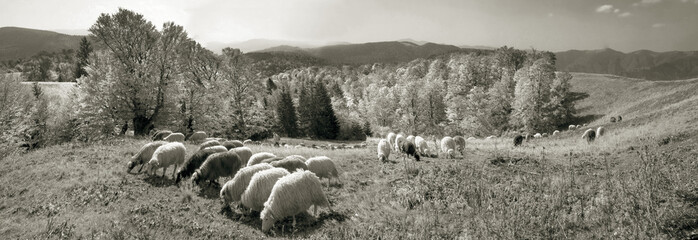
(268,219)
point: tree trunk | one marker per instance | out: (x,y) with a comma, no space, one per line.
(141,125)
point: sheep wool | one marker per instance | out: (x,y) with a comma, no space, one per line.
(166,155)
(398,142)
(589,135)
(291,195)
(259,157)
(291,163)
(198,136)
(259,188)
(209,143)
(460,144)
(383,150)
(409,149)
(572,127)
(323,167)
(391,139)
(422,145)
(600,131)
(233,189)
(175,137)
(448,146)
(247,141)
(244,152)
(160,135)
(556,132)
(232,144)
(144,154)
(518,140)
(195,161)
(222,164)
(410,138)
(217,148)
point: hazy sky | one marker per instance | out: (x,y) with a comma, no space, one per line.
(626,25)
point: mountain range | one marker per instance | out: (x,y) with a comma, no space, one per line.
(22,43)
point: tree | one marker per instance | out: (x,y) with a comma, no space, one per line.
(243,86)
(531,109)
(201,86)
(38,68)
(83,56)
(561,102)
(286,113)
(324,123)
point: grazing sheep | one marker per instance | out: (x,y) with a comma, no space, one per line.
(471,138)
(162,134)
(259,188)
(323,167)
(166,155)
(421,145)
(518,140)
(409,149)
(448,146)
(222,164)
(410,138)
(175,137)
(589,135)
(460,144)
(391,139)
(600,131)
(233,189)
(218,148)
(620,118)
(613,119)
(291,195)
(244,153)
(232,144)
(383,150)
(195,161)
(398,142)
(491,137)
(198,136)
(247,141)
(545,134)
(277,139)
(572,127)
(556,132)
(579,126)
(210,143)
(270,160)
(144,155)
(537,135)
(259,157)
(291,163)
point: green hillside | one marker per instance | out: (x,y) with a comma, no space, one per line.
(16,43)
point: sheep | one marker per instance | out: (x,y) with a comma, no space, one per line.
(222,164)
(244,152)
(613,119)
(398,142)
(518,140)
(421,145)
(460,144)
(448,146)
(218,148)
(600,131)
(383,150)
(144,155)
(277,139)
(391,139)
(160,135)
(408,148)
(572,127)
(545,134)
(166,155)
(209,144)
(556,132)
(233,189)
(491,137)
(323,167)
(579,126)
(195,162)
(232,144)
(270,160)
(259,188)
(410,138)
(538,135)
(291,163)
(247,141)
(620,118)
(259,157)
(175,137)
(589,135)
(198,136)
(471,138)
(291,195)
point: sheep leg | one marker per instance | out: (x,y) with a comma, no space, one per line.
(140,169)
(164,170)
(174,171)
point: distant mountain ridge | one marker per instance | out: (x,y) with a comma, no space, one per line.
(16,43)
(643,64)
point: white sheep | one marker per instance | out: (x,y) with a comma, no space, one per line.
(471,138)
(169,154)
(244,152)
(589,135)
(391,139)
(422,145)
(175,137)
(198,136)
(218,148)
(291,163)
(209,143)
(491,137)
(247,141)
(259,157)
(233,189)
(448,146)
(222,164)
(556,132)
(291,195)
(572,127)
(398,142)
(538,135)
(384,150)
(410,138)
(259,188)
(323,167)
(144,155)
(160,135)
(600,131)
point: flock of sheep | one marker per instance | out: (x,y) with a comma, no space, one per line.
(277,187)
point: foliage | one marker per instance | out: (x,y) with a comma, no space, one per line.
(82,55)
(286,113)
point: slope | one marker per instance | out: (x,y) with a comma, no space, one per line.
(16,43)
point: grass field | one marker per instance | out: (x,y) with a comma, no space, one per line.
(636,182)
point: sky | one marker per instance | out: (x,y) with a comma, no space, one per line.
(553,25)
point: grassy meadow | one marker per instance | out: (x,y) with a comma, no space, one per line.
(635,182)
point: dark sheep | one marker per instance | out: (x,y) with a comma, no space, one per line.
(290,163)
(217,165)
(232,144)
(160,135)
(518,140)
(409,149)
(589,135)
(613,119)
(193,163)
(620,118)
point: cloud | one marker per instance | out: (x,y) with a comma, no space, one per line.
(658,25)
(625,14)
(616,10)
(650,1)
(605,8)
